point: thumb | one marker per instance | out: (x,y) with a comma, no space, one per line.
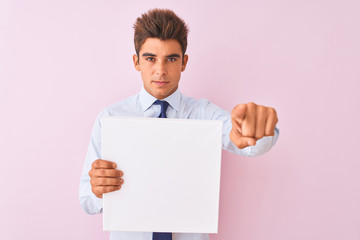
(242,142)
(246,142)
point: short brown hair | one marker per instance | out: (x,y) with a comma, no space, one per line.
(160,23)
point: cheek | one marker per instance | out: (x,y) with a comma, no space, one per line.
(144,77)
(146,72)
(176,70)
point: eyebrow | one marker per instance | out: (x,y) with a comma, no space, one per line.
(148,55)
(173,55)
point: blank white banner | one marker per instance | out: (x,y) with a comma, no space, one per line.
(171,171)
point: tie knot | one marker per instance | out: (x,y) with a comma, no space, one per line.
(164,105)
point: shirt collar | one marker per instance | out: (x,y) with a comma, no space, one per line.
(146,99)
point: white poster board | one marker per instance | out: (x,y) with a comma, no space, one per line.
(171,171)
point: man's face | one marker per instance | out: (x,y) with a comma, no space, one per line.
(160,64)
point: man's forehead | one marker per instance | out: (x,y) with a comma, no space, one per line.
(157,46)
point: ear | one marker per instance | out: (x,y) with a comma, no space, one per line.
(185,60)
(136,64)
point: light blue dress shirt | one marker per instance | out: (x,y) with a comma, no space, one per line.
(180,106)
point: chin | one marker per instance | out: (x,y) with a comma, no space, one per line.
(162,93)
(162,96)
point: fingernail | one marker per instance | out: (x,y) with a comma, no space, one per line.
(114,165)
(250,143)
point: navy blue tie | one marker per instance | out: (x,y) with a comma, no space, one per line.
(158,235)
(164,105)
(162,236)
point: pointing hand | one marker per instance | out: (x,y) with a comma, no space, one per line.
(251,122)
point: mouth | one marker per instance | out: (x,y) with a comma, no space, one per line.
(160,83)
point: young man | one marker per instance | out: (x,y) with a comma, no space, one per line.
(160,44)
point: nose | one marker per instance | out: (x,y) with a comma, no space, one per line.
(160,68)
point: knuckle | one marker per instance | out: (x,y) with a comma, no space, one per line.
(115,173)
(92,181)
(269,132)
(94,163)
(234,111)
(111,173)
(102,172)
(98,191)
(107,189)
(259,136)
(238,106)
(237,109)
(262,108)
(247,132)
(251,104)
(96,181)
(107,181)
(114,181)
(102,189)
(95,190)
(272,111)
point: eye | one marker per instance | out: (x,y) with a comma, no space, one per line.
(172,59)
(150,59)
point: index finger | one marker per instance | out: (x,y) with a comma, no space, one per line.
(100,163)
(239,112)
(237,116)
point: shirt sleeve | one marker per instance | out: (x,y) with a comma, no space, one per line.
(263,145)
(89,202)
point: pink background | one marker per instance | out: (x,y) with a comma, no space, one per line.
(61,62)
